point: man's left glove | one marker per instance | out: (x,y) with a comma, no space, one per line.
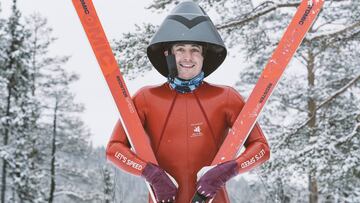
(216,177)
(165,190)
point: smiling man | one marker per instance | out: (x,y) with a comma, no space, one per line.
(187,118)
(189,60)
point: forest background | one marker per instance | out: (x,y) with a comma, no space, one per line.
(53,150)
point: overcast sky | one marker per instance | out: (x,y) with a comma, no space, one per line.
(117,16)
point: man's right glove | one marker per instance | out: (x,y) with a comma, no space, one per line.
(216,178)
(165,190)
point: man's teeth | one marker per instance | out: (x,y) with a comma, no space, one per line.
(187,66)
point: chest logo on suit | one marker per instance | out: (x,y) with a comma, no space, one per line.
(196,129)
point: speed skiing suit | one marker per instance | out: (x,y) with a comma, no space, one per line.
(186,131)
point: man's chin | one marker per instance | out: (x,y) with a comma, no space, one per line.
(187,76)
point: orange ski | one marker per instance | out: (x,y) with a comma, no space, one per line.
(291,40)
(105,57)
(295,33)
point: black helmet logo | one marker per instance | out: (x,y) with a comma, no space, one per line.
(187,22)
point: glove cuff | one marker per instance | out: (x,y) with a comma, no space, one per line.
(149,171)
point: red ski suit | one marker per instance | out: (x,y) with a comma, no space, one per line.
(186,131)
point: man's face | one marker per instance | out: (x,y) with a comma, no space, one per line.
(189,60)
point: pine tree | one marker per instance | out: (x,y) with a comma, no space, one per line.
(17,106)
(330,69)
(26,76)
(67,132)
(3,109)
(108,184)
(45,154)
(130,51)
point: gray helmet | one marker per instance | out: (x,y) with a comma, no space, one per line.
(187,22)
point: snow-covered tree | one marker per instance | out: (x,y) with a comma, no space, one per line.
(20,152)
(68,135)
(320,90)
(35,87)
(108,184)
(130,50)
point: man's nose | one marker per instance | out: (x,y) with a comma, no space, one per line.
(187,55)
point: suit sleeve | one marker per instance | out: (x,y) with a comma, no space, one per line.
(257,150)
(119,151)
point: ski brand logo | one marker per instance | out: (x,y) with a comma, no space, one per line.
(268,87)
(123,90)
(83,4)
(97,39)
(196,129)
(307,11)
(189,23)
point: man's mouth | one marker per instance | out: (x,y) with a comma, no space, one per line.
(187,65)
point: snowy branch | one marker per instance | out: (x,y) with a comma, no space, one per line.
(300,110)
(252,15)
(345,34)
(6,156)
(159,5)
(328,100)
(78,196)
(337,33)
(349,136)
(337,93)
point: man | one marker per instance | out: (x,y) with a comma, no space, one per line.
(186,118)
